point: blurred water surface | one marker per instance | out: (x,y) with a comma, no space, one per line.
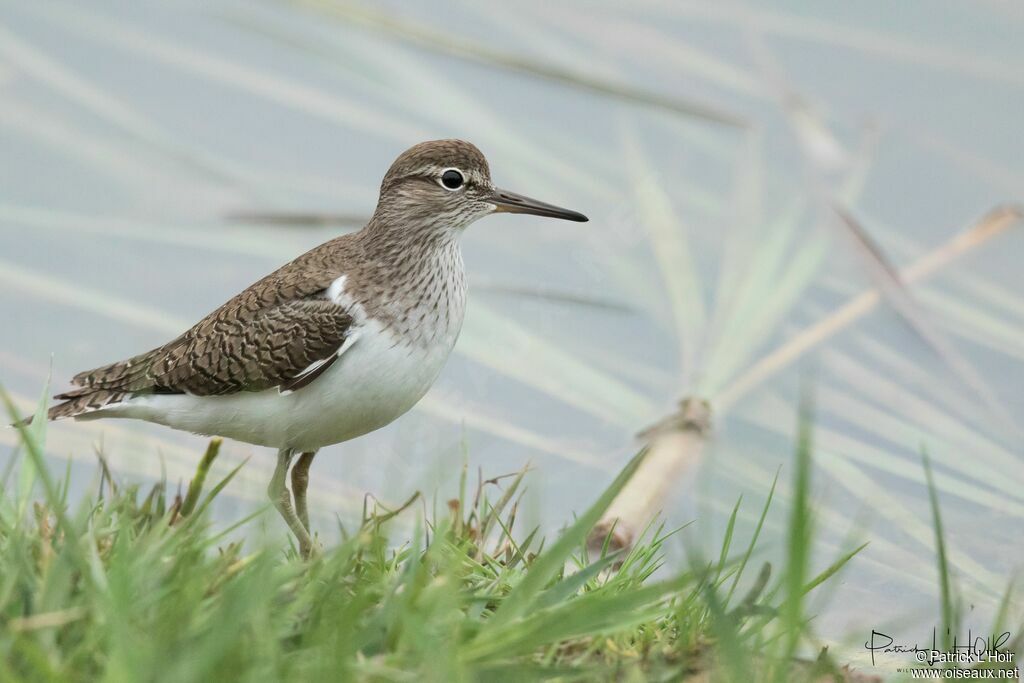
(129,132)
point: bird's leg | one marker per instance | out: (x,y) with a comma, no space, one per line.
(282,500)
(300,482)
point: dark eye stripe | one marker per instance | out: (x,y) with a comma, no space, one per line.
(452,179)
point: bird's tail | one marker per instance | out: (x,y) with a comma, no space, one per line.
(104,386)
(80,402)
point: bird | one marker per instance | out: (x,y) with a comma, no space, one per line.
(335,344)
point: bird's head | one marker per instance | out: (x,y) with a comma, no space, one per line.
(446,185)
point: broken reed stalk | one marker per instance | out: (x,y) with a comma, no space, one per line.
(674,448)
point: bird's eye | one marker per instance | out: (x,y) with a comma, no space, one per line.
(452,179)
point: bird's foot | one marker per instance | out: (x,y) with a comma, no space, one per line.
(310,549)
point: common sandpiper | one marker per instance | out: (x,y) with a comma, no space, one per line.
(335,344)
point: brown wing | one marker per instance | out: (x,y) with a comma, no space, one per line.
(275,347)
(281,332)
(272,349)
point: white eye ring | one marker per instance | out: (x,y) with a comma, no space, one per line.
(452,179)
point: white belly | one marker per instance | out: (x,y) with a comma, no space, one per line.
(371,384)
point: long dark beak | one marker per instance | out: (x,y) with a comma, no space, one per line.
(510,202)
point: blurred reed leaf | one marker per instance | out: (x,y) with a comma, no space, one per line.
(1007,178)
(887,558)
(877,367)
(64,81)
(779,267)
(549,41)
(931,414)
(988,227)
(300,220)
(633,40)
(961,280)
(637,371)
(448,105)
(849,476)
(193,59)
(452,409)
(887,45)
(670,242)
(891,286)
(513,350)
(962,315)
(204,238)
(426,38)
(746,210)
(56,290)
(121,158)
(66,137)
(550,295)
(895,432)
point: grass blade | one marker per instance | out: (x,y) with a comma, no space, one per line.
(195,487)
(946,597)
(548,564)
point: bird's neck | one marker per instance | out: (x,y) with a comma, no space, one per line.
(418,278)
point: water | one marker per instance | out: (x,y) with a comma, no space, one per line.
(127,134)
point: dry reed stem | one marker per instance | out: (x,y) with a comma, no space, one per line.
(675,447)
(991,224)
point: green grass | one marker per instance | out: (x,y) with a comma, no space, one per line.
(138,585)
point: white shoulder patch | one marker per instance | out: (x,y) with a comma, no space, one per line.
(336,292)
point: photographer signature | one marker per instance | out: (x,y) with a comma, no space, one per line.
(973,649)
